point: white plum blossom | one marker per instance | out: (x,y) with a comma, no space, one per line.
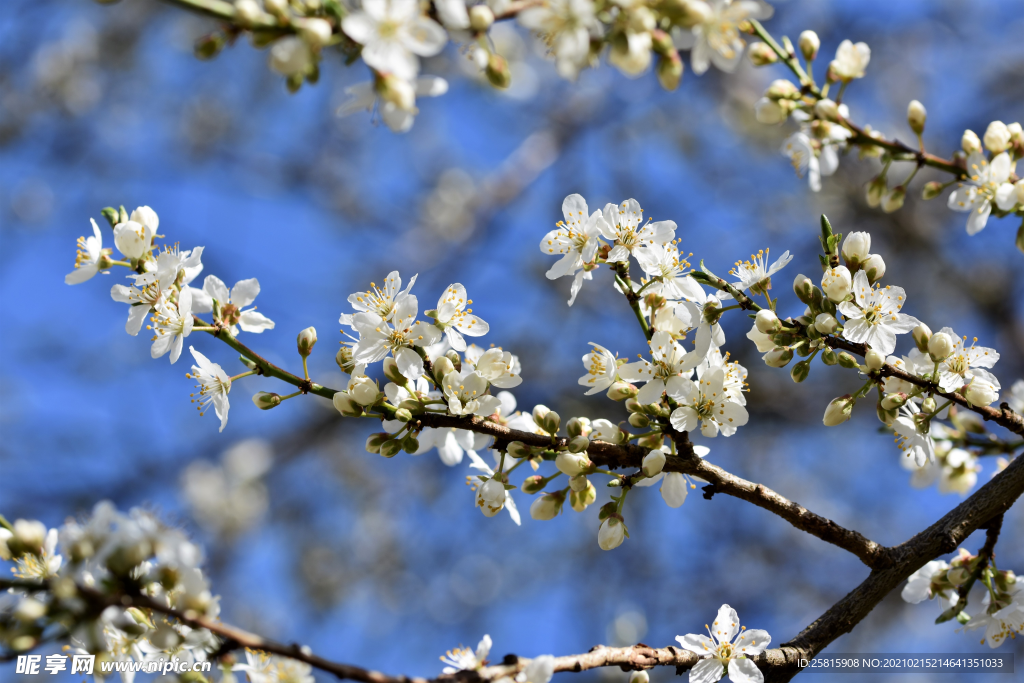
(601,367)
(456,320)
(668,370)
(464,659)
(465,393)
(707,403)
(851,60)
(755,274)
(723,652)
(133,239)
(912,428)
(987,185)
(919,584)
(171,324)
(629,231)
(451,443)
(763,341)
(873,317)
(171,263)
(231,304)
(491,494)
(499,367)
(960,367)
(381,302)
(955,469)
(716,38)
(670,272)
(576,238)
(393,33)
(87,260)
(261,667)
(735,382)
(1001,623)
(566,26)
(397,104)
(214,386)
(378,337)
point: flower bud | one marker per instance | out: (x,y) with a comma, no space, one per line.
(403,415)
(480,17)
(539,411)
(550,422)
(632,405)
(643,676)
(997,137)
(410,444)
(518,449)
(829,357)
(392,372)
(893,201)
(344,359)
(769,111)
(921,334)
(670,70)
(970,142)
(397,91)
(1016,133)
(874,268)
(579,444)
(931,190)
(847,361)
(639,420)
(874,360)
(781,89)
(826,323)
(533,484)
(498,72)
(940,346)
(374,441)
(572,463)
(800,371)
(248,12)
(778,358)
(266,401)
(441,367)
(579,500)
(838,411)
(875,191)
(767,322)
(279,8)
(837,283)
(27,536)
(654,463)
(578,483)
(761,55)
(827,110)
(346,406)
(894,401)
(620,391)
(578,426)
(363,390)
(916,116)
(886,417)
(809,44)
(856,247)
(453,356)
(981,394)
(315,31)
(547,506)
(611,534)
(803,288)
(306,341)
(390,448)
(209,45)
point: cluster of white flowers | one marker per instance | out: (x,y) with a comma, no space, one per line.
(997,607)
(161,289)
(537,670)
(988,187)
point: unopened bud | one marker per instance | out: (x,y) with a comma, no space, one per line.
(847,361)
(539,411)
(248,12)
(547,506)
(761,55)
(441,367)
(533,484)
(551,422)
(279,8)
(893,200)
(480,17)
(456,361)
(374,441)
(997,137)
(827,110)
(886,417)
(498,72)
(838,411)
(931,190)
(826,323)
(803,287)
(874,360)
(518,449)
(778,358)
(916,116)
(653,463)
(874,268)
(670,70)
(571,463)
(346,406)
(306,341)
(770,112)
(577,427)
(940,346)
(639,677)
(809,44)
(970,142)
(875,191)
(639,420)
(392,372)
(767,322)
(315,31)
(894,401)
(578,444)
(781,89)
(390,448)
(922,334)
(620,391)
(403,415)
(410,444)
(800,371)
(266,401)
(579,500)
(209,46)
(632,405)
(829,357)
(578,483)
(981,393)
